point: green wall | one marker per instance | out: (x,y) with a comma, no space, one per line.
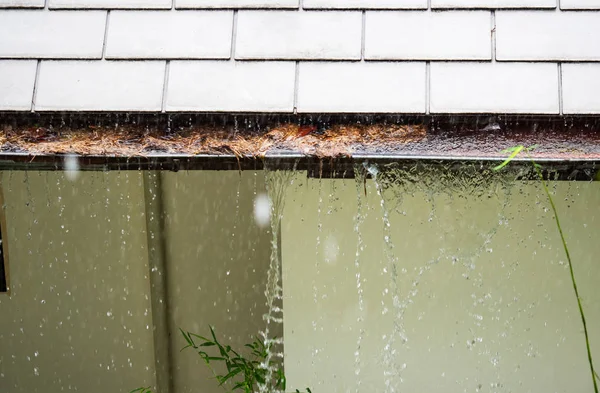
(484,300)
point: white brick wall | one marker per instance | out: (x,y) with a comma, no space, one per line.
(100,86)
(22,3)
(17,78)
(369,55)
(298,35)
(236,3)
(364,4)
(166,34)
(493,4)
(494,88)
(60,34)
(361,87)
(224,86)
(424,35)
(547,35)
(580,4)
(109,4)
(580,88)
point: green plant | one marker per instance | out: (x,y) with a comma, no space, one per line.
(142,390)
(244,373)
(514,151)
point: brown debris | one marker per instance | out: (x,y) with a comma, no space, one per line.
(131,141)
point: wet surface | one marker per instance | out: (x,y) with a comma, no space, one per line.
(174,142)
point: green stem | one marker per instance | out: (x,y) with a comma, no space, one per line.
(564,242)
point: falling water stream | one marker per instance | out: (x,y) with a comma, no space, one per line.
(276,184)
(360,182)
(403,279)
(392,372)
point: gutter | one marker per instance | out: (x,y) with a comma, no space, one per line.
(323,145)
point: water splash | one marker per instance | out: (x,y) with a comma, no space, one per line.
(360,177)
(319,233)
(392,371)
(276,183)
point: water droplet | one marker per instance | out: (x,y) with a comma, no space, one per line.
(262,210)
(71,167)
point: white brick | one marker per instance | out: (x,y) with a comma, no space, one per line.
(494,88)
(361,87)
(22,3)
(580,4)
(236,3)
(547,35)
(493,4)
(425,35)
(223,86)
(166,34)
(580,87)
(17,78)
(100,86)
(364,4)
(43,34)
(298,35)
(110,4)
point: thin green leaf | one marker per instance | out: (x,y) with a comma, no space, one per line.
(198,336)
(187,338)
(232,374)
(212,332)
(514,152)
(142,390)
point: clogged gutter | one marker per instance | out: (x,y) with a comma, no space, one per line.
(554,140)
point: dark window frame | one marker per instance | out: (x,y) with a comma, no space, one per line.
(4,277)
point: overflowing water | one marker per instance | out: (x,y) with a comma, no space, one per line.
(403,279)
(277,183)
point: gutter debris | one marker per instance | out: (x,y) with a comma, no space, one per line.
(230,142)
(130,141)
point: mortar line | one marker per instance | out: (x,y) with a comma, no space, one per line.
(560,89)
(296,83)
(363,35)
(35,85)
(105,35)
(427,87)
(165,86)
(493,33)
(233,35)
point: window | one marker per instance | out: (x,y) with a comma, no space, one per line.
(3,278)
(3,261)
